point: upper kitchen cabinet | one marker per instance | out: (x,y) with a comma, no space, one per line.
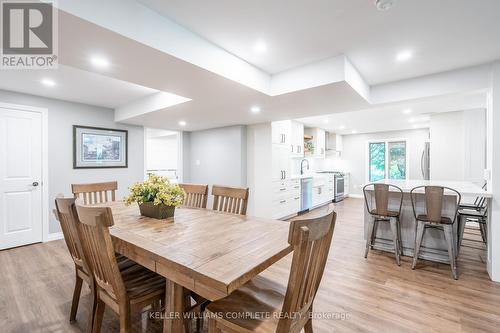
(291,134)
(281,132)
(316,142)
(297,138)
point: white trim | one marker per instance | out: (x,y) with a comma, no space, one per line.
(45,160)
(54,236)
(355,196)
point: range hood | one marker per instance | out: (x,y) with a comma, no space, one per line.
(333,143)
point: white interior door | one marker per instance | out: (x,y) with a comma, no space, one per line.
(20,177)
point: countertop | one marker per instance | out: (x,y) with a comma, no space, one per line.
(463,187)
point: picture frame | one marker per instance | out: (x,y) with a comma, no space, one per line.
(97,147)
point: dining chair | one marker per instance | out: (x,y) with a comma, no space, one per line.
(432,217)
(381,213)
(478,215)
(123,289)
(230,199)
(196,195)
(95,193)
(289,306)
(66,215)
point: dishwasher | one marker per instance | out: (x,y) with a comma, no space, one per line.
(306,194)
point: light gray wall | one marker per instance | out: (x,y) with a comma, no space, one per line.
(354,154)
(61,117)
(216,156)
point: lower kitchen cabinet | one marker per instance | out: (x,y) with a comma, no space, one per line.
(286,198)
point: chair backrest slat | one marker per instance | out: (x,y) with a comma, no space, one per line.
(232,200)
(94,193)
(98,249)
(381,194)
(311,240)
(196,195)
(68,220)
(434,203)
(433,197)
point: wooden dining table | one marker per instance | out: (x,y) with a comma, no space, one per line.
(208,252)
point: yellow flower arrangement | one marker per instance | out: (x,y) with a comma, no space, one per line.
(157,190)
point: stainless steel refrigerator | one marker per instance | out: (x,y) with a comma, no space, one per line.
(425,161)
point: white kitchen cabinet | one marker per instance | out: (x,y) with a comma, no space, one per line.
(319,143)
(281,132)
(286,198)
(297,139)
(280,162)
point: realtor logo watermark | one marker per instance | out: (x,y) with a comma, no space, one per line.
(29,35)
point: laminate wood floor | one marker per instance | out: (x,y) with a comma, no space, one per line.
(356,294)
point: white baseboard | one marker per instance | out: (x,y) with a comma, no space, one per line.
(54,236)
(356,196)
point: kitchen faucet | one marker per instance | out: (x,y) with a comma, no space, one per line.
(302,166)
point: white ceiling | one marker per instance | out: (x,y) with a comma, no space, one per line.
(444,34)
(74,85)
(392,117)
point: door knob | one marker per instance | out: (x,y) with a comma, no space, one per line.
(35,184)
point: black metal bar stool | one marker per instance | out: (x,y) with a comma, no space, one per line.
(381,213)
(433,218)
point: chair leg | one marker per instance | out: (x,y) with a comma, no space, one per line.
(400,240)
(484,235)
(448,235)
(369,237)
(462,221)
(92,308)
(374,233)
(394,229)
(76,297)
(99,313)
(125,323)
(418,241)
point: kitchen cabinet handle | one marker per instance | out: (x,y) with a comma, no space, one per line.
(282,201)
(296,187)
(284,172)
(282,189)
(282,177)
(292,148)
(297,198)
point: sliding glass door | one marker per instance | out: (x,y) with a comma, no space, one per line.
(387,160)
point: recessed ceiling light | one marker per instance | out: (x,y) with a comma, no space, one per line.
(182,123)
(325,121)
(260,47)
(403,56)
(407,111)
(48,82)
(384,5)
(99,62)
(411,120)
(354,131)
(341,127)
(414,126)
(255,109)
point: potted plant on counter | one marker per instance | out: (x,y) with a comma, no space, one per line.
(156,197)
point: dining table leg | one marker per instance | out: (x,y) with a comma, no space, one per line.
(174,308)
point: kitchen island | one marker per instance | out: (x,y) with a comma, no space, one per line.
(434,246)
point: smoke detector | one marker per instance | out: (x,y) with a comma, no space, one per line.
(384,5)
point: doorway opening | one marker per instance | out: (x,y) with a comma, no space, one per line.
(163,154)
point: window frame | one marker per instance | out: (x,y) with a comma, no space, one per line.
(386,142)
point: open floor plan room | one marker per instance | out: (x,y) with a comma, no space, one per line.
(249,166)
